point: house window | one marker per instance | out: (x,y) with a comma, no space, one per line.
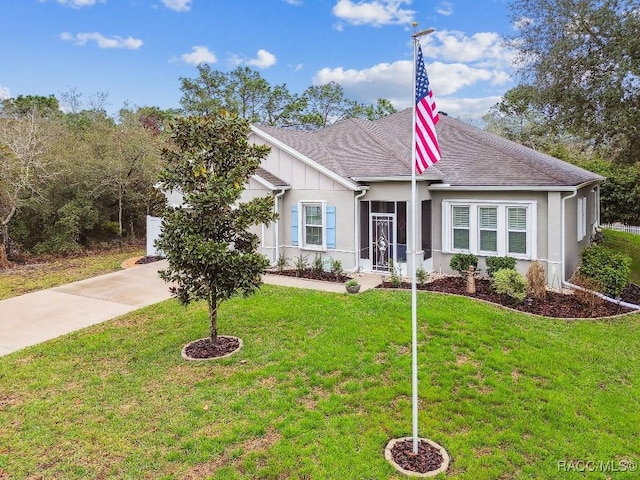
(490,228)
(313,225)
(582,218)
(461,226)
(517,230)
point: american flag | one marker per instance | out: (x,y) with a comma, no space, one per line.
(427,148)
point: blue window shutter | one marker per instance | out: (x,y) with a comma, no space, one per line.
(294,225)
(331,227)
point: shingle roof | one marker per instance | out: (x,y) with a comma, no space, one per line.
(270,177)
(356,148)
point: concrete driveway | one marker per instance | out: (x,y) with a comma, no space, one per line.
(39,316)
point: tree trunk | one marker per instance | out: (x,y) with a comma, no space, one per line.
(213,315)
(4,239)
(120,195)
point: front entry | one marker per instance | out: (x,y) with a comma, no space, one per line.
(382,241)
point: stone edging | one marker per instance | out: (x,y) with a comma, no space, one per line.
(191,359)
(432,473)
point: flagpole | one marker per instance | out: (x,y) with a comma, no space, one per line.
(414,254)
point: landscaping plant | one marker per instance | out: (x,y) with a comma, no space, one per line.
(212,254)
(498,263)
(510,282)
(536,281)
(460,262)
(607,268)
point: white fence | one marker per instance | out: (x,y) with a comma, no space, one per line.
(622,228)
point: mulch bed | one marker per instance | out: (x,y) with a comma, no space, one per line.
(426,460)
(557,305)
(203,349)
(148,259)
(311,274)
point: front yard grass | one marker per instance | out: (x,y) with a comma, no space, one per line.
(38,276)
(321,385)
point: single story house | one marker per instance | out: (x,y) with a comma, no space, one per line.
(344,192)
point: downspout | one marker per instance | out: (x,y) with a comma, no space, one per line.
(356,231)
(565,283)
(563,241)
(276,250)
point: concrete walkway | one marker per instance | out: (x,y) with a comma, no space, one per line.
(39,316)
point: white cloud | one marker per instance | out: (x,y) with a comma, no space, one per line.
(200,54)
(482,48)
(82,39)
(376,13)
(296,3)
(445,8)
(177,5)
(79,3)
(522,22)
(264,59)
(467,107)
(4,93)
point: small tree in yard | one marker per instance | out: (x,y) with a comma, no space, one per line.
(211,253)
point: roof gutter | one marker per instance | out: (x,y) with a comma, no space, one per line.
(512,188)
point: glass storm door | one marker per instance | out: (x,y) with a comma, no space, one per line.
(383,241)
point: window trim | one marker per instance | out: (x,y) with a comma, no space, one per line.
(302,229)
(531,207)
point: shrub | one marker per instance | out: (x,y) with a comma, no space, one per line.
(460,262)
(536,281)
(510,282)
(421,275)
(609,269)
(282,263)
(395,279)
(318,265)
(336,268)
(301,264)
(498,263)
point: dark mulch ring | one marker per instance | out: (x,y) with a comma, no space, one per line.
(426,460)
(148,259)
(557,305)
(311,274)
(203,349)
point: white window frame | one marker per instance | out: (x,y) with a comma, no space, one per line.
(468,227)
(302,225)
(486,229)
(474,230)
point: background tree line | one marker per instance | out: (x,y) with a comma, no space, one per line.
(578,96)
(80,178)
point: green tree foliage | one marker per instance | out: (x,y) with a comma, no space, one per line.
(212,254)
(582,57)
(619,193)
(246,93)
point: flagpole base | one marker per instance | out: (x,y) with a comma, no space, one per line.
(430,460)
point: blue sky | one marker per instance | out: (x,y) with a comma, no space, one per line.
(136,51)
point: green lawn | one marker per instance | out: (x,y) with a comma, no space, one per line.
(625,243)
(25,279)
(321,385)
